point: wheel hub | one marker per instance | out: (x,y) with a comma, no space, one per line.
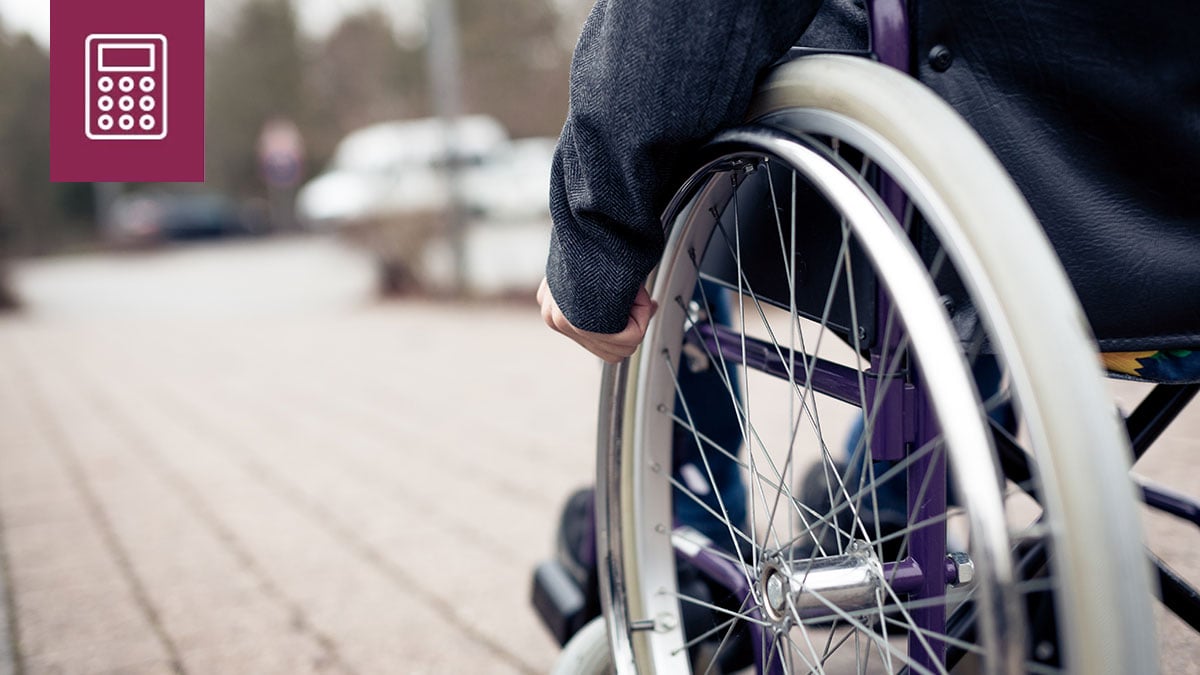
(809,589)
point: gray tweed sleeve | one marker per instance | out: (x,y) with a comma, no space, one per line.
(650,81)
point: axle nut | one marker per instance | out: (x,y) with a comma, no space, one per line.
(963,567)
(776,593)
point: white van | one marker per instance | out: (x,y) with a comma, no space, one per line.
(387,188)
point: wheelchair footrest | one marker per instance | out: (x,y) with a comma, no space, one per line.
(559,601)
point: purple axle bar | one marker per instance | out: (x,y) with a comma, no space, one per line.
(828,378)
(905,576)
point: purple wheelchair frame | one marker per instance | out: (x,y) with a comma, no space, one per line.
(905,417)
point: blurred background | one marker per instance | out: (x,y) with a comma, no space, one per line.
(303,417)
(401,125)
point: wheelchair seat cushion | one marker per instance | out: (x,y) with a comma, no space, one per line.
(1169,366)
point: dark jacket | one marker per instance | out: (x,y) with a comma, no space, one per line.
(1093,107)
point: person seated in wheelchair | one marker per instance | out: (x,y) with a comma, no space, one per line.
(1092,107)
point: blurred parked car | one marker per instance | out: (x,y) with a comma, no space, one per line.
(142,219)
(512,183)
(387,189)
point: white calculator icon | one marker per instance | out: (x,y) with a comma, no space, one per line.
(125,94)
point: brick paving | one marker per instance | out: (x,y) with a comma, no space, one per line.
(342,487)
(361,488)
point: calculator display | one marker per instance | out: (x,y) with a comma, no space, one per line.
(128,57)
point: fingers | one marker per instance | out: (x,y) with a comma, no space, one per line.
(542,292)
(609,347)
(639,315)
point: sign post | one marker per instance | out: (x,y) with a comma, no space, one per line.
(281,163)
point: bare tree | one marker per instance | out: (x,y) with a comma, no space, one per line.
(361,75)
(515,65)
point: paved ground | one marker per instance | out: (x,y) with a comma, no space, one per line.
(231,460)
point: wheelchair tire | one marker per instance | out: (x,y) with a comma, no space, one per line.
(586,653)
(966,275)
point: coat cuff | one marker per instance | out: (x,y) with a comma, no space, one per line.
(592,284)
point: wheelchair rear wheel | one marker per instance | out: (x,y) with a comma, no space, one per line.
(882,276)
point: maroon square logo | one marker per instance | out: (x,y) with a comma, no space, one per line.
(127,90)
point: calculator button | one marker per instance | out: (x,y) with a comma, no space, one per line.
(126,83)
(105,83)
(126,103)
(147,84)
(126,122)
(147,103)
(147,122)
(104,122)
(105,103)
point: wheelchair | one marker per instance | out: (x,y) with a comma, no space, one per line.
(868,258)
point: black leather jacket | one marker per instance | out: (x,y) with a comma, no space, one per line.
(1093,107)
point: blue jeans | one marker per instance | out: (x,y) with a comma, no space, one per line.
(713,415)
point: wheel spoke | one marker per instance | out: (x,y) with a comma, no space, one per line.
(877,292)
(808,397)
(743,415)
(716,608)
(851,620)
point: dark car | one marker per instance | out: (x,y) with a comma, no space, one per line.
(150,218)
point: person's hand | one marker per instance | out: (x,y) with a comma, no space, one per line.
(612,347)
